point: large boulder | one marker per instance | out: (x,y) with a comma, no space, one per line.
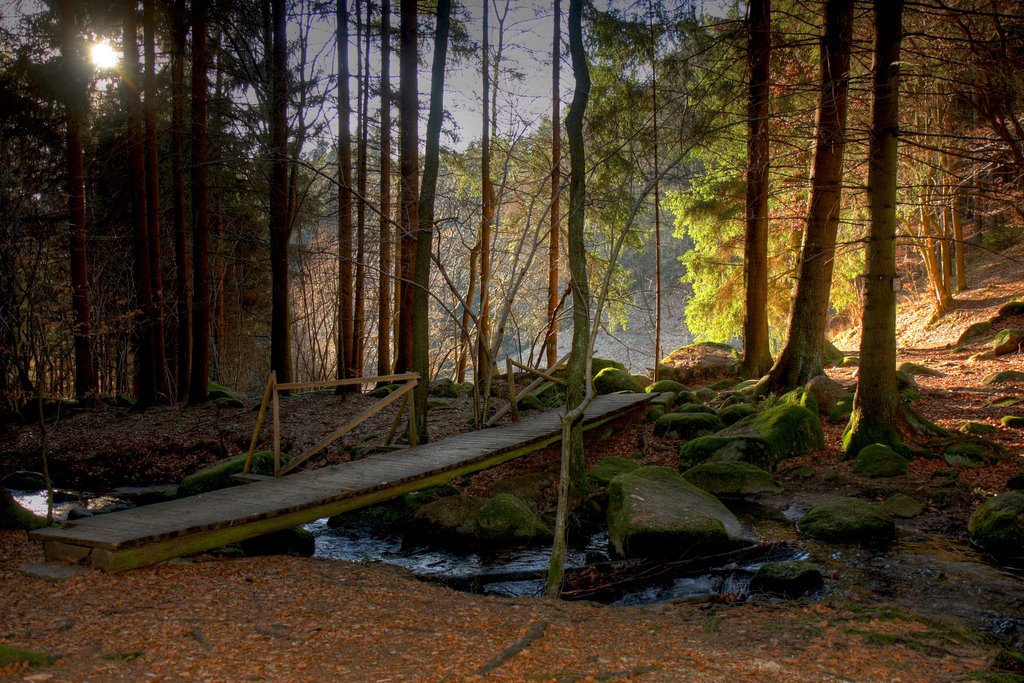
(218,475)
(790,579)
(468,521)
(848,520)
(801,397)
(665,385)
(702,361)
(731,479)
(507,520)
(1003,377)
(878,460)
(733,413)
(654,512)
(599,364)
(612,380)
(444,387)
(1010,309)
(749,449)
(687,426)
(603,472)
(13,516)
(997,526)
(1008,341)
(531,488)
(789,430)
(826,391)
(973,332)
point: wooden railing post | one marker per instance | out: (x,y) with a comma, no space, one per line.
(513,399)
(271,381)
(277,433)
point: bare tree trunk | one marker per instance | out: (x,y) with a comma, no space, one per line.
(153,202)
(199,376)
(571,469)
(344,200)
(385,286)
(359,314)
(280,228)
(801,358)
(483,360)
(657,206)
(551,342)
(958,237)
(85,372)
(178,18)
(756,356)
(408,160)
(876,402)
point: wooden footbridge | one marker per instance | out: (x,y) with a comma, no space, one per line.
(153,533)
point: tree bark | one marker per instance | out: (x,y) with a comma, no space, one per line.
(161,385)
(385,284)
(344,200)
(483,359)
(572,465)
(408,161)
(551,342)
(199,377)
(756,356)
(801,358)
(425,235)
(359,293)
(280,228)
(178,19)
(75,111)
(876,402)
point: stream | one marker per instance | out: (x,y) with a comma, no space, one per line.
(929,573)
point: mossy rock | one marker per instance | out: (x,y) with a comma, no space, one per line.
(444,387)
(531,488)
(531,402)
(687,425)
(664,399)
(848,521)
(613,380)
(608,468)
(831,356)
(218,475)
(973,332)
(654,413)
(997,526)
(665,385)
(295,541)
(507,520)
(731,414)
(439,404)
(731,479)
(826,391)
(878,460)
(705,394)
(749,449)
(414,500)
(215,391)
(599,364)
(1012,421)
(1008,341)
(917,369)
(450,520)
(10,656)
(654,512)
(800,397)
(696,408)
(789,430)
(1010,309)
(902,506)
(469,522)
(227,402)
(23,480)
(722,384)
(843,409)
(790,579)
(15,517)
(969,454)
(745,385)
(978,428)
(1003,377)
(687,396)
(384,391)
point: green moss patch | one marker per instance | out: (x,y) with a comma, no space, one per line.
(12,655)
(612,380)
(218,475)
(687,425)
(731,479)
(998,526)
(848,521)
(878,460)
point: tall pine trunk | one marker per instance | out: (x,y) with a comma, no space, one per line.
(344,199)
(280,229)
(385,284)
(408,161)
(178,19)
(551,342)
(161,385)
(359,293)
(483,360)
(876,402)
(801,358)
(756,356)
(199,376)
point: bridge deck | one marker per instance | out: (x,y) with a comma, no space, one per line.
(153,533)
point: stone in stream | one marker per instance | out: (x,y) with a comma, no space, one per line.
(791,579)
(218,475)
(849,521)
(902,506)
(654,512)
(997,526)
(469,521)
(731,479)
(15,517)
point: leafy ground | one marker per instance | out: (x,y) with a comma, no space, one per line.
(285,618)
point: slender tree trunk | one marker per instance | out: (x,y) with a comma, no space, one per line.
(280,228)
(408,159)
(182,266)
(483,360)
(572,465)
(756,356)
(199,376)
(161,386)
(425,235)
(359,314)
(657,205)
(145,366)
(551,343)
(876,402)
(344,199)
(958,236)
(464,343)
(801,358)
(385,286)
(85,372)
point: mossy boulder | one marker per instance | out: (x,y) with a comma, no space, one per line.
(654,512)
(414,500)
(745,385)
(599,364)
(218,475)
(227,402)
(849,521)
(731,479)
(969,454)
(722,384)
(749,449)
(295,541)
(878,460)
(1012,421)
(1003,377)
(997,526)
(15,517)
(612,380)
(1008,341)
(695,408)
(902,506)
(664,399)
(468,521)
(507,520)
(790,579)
(654,413)
(531,488)
(831,356)
(843,409)
(665,385)
(531,402)
(686,396)
(215,391)
(731,414)
(973,332)
(978,428)
(800,397)
(789,430)
(1010,309)
(444,387)
(608,468)
(385,390)
(826,391)
(701,361)
(687,425)
(704,394)
(917,369)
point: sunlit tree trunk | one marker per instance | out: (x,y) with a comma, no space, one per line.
(344,198)
(280,228)
(408,161)
(551,342)
(756,356)
(359,294)
(876,402)
(75,107)
(801,358)
(385,285)
(178,19)
(199,376)
(487,211)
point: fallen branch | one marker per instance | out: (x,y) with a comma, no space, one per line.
(534,632)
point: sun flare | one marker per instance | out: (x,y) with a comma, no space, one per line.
(103,55)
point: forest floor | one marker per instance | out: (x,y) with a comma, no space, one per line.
(297,619)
